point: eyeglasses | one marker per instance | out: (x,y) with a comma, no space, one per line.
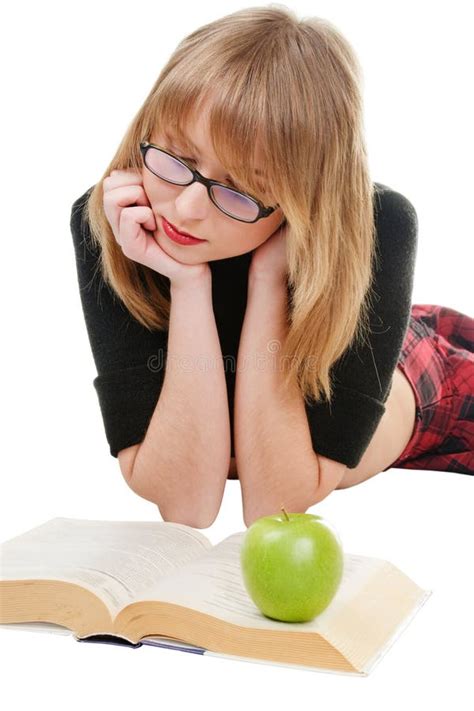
(233,203)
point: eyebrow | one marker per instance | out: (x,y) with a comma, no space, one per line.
(190,144)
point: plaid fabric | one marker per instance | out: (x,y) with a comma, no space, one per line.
(437,357)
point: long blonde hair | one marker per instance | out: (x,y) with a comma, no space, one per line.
(294,87)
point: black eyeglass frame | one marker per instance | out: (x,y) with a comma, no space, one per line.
(262,210)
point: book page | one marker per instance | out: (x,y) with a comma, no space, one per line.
(214,585)
(116,560)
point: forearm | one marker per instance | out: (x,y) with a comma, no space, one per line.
(183,461)
(274,454)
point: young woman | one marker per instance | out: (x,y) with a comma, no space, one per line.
(276,342)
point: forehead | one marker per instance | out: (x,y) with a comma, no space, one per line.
(198,129)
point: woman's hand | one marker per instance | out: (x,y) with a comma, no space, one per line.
(132,221)
(269,259)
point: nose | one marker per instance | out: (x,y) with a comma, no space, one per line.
(193,201)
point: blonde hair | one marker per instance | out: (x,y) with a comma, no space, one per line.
(294,88)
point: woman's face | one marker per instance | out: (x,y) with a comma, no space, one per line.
(190,209)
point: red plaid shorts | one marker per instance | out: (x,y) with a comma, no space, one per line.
(437,357)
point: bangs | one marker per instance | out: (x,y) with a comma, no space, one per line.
(269,144)
(235,132)
(181,143)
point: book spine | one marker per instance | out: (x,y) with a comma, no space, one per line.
(108,639)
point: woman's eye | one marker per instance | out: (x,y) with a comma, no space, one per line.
(229,183)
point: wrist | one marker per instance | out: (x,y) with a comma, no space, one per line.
(270,296)
(270,280)
(192,283)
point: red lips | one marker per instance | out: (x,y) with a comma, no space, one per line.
(186,234)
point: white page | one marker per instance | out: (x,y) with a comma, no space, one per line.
(116,560)
(214,585)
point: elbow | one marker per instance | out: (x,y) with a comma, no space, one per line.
(331,475)
(200,516)
(195,519)
(181,503)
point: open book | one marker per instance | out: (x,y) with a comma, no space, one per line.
(152,581)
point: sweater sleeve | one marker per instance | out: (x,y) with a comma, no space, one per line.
(363,376)
(129,359)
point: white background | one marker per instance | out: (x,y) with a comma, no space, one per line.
(74,76)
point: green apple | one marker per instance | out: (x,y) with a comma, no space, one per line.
(292,565)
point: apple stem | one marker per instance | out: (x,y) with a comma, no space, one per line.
(286,515)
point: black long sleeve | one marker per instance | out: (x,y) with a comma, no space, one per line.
(128,356)
(363,376)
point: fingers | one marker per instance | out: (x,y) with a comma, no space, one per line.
(122,190)
(133,223)
(133,238)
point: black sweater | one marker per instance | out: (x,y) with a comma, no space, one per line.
(130,359)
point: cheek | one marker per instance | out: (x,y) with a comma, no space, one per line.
(255,236)
(155,191)
(147,186)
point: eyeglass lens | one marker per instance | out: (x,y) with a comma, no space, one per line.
(230,201)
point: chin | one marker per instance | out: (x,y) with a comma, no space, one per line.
(162,243)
